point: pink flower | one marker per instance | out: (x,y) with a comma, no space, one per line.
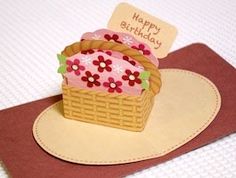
(113,85)
(74,66)
(141,47)
(103,64)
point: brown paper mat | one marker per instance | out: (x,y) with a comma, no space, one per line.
(24,158)
(186,105)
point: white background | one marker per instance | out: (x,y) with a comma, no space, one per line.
(33,32)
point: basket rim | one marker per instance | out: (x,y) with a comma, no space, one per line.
(106,94)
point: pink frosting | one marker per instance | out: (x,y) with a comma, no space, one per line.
(129,40)
(103,72)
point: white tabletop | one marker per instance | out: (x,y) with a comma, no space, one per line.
(33,32)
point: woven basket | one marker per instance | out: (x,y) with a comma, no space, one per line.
(115,110)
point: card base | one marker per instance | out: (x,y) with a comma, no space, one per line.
(186,105)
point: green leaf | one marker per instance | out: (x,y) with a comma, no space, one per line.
(61,58)
(145,85)
(144,75)
(62,69)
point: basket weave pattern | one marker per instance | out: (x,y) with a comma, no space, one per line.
(115,110)
(112,110)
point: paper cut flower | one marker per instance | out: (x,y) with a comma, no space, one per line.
(127,40)
(91,79)
(103,64)
(132,77)
(89,51)
(74,66)
(113,85)
(118,69)
(126,58)
(86,60)
(141,47)
(107,52)
(113,37)
(96,37)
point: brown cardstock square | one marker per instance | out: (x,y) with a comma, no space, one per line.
(24,158)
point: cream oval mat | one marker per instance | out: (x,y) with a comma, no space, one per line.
(186,105)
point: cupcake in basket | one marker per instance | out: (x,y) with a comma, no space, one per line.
(109,78)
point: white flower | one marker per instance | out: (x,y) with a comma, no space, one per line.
(127,40)
(86,60)
(96,37)
(118,69)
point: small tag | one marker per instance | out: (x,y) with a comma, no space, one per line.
(158,34)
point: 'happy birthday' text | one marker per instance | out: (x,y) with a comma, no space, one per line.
(147,31)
